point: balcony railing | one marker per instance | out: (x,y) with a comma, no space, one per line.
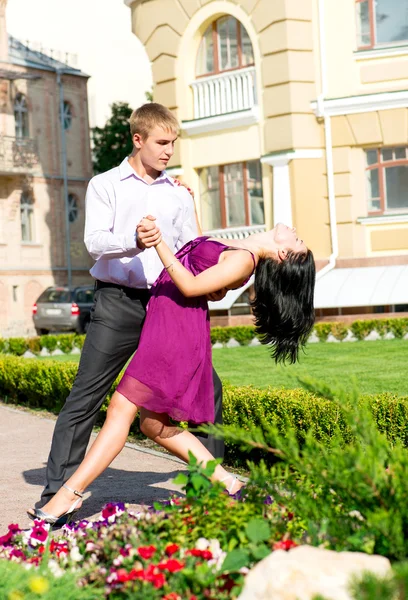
(236,233)
(18,155)
(224,93)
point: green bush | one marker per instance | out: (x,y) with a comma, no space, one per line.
(220,334)
(3,345)
(79,341)
(17,346)
(399,327)
(66,342)
(34,345)
(362,328)
(339,330)
(50,342)
(323,330)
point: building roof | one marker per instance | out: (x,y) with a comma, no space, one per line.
(363,286)
(22,55)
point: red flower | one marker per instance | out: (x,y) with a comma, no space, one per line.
(193,597)
(58,547)
(6,539)
(171,565)
(146,552)
(159,580)
(172,549)
(136,574)
(39,533)
(14,528)
(205,554)
(109,510)
(41,549)
(122,575)
(284,545)
(171,596)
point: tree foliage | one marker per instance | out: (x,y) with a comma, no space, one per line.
(112,142)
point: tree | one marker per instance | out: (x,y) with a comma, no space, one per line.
(112,142)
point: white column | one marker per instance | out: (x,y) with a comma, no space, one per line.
(282,200)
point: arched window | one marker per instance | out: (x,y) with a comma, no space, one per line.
(21,116)
(73,209)
(67,116)
(27,217)
(225,46)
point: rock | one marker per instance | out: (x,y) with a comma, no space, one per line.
(350,337)
(232,343)
(313,338)
(44,352)
(331,338)
(57,352)
(28,354)
(305,572)
(254,342)
(390,336)
(372,336)
(75,350)
(218,345)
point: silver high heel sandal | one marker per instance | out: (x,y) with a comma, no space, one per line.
(231,486)
(63,519)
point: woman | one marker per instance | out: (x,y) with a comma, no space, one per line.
(170,376)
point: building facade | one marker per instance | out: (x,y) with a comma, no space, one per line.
(36,209)
(296,112)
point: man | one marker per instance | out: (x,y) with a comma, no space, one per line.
(116,202)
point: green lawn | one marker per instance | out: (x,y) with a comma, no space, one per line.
(379,366)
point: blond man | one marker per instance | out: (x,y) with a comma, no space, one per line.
(125,269)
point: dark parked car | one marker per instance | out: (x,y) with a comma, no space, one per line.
(63,309)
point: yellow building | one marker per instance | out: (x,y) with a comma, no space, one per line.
(41,194)
(294,111)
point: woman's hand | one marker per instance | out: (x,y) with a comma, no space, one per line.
(147,232)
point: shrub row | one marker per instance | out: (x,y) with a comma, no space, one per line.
(19,345)
(46,384)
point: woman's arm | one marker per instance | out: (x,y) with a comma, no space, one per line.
(236,267)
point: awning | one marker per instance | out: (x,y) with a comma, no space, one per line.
(363,286)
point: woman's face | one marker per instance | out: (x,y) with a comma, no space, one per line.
(286,238)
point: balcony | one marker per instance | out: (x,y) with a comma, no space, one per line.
(18,155)
(236,233)
(223,101)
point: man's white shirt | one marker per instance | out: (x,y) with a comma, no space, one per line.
(115,203)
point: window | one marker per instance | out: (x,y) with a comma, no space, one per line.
(387,179)
(72,208)
(225,46)
(21,116)
(27,217)
(67,115)
(231,195)
(381,22)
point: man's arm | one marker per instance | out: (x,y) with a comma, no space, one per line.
(99,219)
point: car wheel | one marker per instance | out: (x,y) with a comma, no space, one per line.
(41,331)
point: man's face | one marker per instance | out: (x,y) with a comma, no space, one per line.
(157,149)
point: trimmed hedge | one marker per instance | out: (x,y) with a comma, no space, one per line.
(65,342)
(46,384)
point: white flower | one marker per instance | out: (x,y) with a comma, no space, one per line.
(75,554)
(55,568)
(356,514)
(90,546)
(215,548)
(202,544)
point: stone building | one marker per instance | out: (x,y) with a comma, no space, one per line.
(33,215)
(296,112)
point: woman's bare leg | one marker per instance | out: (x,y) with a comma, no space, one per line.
(180,442)
(109,442)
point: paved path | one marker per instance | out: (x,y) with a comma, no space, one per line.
(138,477)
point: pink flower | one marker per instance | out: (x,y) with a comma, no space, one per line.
(171,549)
(39,533)
(109,510)
(14,528)
(6,539)
(16,553)
(146,552)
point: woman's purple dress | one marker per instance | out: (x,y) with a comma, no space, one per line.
(171,371)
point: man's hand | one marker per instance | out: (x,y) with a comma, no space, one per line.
(215,296)
(147,233)
(190,191)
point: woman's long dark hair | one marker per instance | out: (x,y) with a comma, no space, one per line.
(283,303)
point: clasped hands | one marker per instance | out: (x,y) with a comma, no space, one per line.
(149,235)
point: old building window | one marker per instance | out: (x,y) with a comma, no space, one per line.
(225,45)
(67,115)
(27,217)
(387,179)
(381,22)
(21,116)
(72,208)
(231,195)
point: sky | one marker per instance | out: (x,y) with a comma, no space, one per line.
(99,33)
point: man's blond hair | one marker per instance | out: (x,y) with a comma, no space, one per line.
(145,118)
